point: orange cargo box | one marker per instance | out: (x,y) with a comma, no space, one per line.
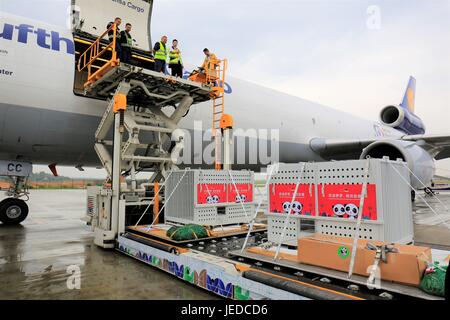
(406,266)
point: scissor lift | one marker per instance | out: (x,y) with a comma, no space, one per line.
(134,134)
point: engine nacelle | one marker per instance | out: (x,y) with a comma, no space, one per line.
(402,119)
(419,161)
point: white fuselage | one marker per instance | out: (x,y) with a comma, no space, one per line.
(42,120)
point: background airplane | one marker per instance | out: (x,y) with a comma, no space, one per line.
(43,121)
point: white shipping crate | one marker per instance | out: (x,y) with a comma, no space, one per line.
(329,195)
(209,197)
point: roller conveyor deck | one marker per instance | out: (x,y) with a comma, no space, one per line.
(158,87)
(299,279)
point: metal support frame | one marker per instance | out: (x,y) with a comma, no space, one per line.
(227,148)
(148,133)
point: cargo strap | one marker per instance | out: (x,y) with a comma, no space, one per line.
(286,220)
(154,197)
(440,216)
(274,168)
(209,193)
(380,255)
(359,220)
(239,196)
(166,201)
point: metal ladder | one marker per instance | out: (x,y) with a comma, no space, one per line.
(215,76)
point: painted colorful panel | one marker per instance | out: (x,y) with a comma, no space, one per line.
(243,192)
(342,201)
(211,193)
(281,197)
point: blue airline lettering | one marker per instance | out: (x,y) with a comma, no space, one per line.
(41,37)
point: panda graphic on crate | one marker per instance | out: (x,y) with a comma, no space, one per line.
(338,210)
(240,198)
(281,196)
(212,199)
(297,207)
(349,211)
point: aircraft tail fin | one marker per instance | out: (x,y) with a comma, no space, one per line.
(410,95)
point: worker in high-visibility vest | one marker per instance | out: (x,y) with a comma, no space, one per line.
(210,63)
(161,53)
(175,60)
(126,44)
(117,22)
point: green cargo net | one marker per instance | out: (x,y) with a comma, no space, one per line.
(187,232)
(433,281)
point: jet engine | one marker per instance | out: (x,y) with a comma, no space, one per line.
(402,119)
(419,160)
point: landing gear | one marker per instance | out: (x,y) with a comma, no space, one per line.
(13,211)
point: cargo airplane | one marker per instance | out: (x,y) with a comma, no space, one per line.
(42,120)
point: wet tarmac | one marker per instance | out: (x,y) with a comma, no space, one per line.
(433,228)
(35,257)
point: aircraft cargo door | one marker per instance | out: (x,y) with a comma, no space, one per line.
(90,20)
(91,17)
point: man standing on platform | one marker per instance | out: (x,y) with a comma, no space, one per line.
(161,54)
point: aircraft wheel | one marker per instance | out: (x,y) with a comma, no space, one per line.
(13,211)
(413,195)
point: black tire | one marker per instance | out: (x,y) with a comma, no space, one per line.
(13,211)
(413,196)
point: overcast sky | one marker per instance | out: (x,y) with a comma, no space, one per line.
(354,55)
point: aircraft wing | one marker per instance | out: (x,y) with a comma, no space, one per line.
(441,143)
(337,149)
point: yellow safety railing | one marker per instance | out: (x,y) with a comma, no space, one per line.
(95,52)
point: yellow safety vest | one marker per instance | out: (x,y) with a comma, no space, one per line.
(161,54)
(175,57)
(111,33)
(129,42)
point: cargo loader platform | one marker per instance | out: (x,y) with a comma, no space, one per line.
(148,88)
(288,264)
(218,265)
(158,232)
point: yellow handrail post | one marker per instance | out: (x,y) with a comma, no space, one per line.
(156,203)
(114,53)
(94,52)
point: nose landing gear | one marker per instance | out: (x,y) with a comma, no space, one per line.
(14,210)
